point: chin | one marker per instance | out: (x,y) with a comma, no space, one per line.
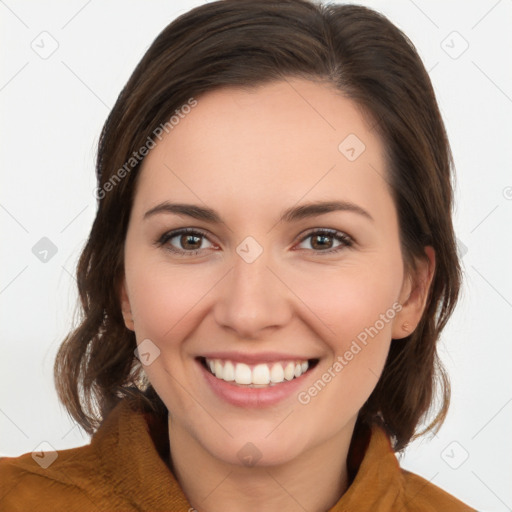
(246,453)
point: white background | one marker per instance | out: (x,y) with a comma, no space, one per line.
(52,112)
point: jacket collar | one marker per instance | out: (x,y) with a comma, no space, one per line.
(130,445)
(133,448)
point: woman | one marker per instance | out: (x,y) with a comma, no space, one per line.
(270,267)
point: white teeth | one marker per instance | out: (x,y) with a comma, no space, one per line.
(218,369)
(277,373)
(243,374)
(259,375)
(289,371)
(229,372)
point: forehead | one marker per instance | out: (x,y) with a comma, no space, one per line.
(273,143)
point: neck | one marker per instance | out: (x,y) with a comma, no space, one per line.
(313,481)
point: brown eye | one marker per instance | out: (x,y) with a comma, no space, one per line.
(324,240)
(190,241)
(321,241)
(184,241)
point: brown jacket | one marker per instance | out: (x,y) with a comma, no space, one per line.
(125,468)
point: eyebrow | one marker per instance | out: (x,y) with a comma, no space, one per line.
(290,215)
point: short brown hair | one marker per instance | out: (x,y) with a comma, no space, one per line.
(246,43)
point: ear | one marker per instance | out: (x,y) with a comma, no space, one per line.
(414,294)
(125,306)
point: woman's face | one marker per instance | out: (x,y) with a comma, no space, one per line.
(269,287)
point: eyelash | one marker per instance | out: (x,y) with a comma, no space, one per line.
(346,241)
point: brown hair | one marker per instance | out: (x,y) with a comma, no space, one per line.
(246,43)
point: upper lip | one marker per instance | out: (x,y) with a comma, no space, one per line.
(261,357)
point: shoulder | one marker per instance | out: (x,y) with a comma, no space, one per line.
(420,495)
(50,481)
(106,474)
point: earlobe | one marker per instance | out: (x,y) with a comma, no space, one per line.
(415,296)
(125,306)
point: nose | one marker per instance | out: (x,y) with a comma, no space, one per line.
(253,299)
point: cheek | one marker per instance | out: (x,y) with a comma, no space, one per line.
(359,308)
(358,305)
(351,301)
(162,297)
(166,302)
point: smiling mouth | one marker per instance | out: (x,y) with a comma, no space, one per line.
(260,375)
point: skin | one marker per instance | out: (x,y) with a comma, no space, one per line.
(249,155)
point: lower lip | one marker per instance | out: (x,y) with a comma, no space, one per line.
(253,397)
